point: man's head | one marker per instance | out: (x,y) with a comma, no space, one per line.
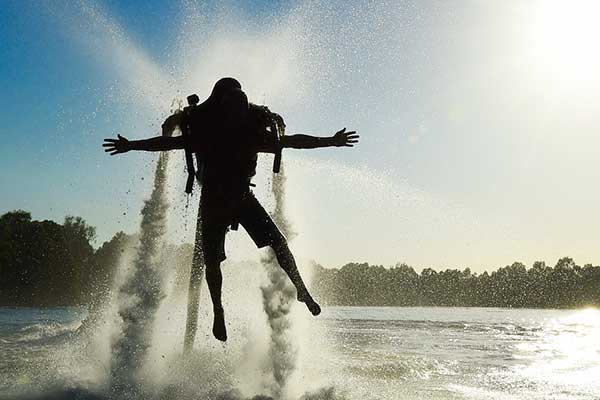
(221,88)
(234,105)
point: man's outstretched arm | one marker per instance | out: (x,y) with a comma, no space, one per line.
(340,139)
(158,143)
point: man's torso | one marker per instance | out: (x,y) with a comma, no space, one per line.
(229,158)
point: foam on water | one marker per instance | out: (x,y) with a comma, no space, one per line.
(371,353)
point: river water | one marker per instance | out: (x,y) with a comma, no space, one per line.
(348,353)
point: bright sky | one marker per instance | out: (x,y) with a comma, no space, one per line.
(479,120)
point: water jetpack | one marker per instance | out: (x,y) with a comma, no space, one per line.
(277,130)
(185,127)
(182,119)
(273,125)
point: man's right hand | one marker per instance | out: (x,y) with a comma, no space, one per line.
(117,146)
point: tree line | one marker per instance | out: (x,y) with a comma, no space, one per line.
(43,263)
(566,285)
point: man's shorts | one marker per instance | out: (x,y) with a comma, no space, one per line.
(217,215)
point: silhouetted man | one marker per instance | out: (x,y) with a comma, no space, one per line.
(228,134)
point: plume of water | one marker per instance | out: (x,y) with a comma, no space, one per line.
(140,293)
(197,271)
(278,297)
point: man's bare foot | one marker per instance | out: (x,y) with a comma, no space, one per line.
(311,304)
(219,330)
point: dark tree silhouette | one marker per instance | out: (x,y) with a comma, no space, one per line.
(567,285)
(43,263)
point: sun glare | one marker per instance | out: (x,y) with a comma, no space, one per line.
(566,37)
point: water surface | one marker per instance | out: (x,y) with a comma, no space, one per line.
(372,353)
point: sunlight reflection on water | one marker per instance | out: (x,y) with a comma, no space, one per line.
(566,352)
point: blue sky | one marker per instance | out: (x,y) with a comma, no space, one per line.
(478,119)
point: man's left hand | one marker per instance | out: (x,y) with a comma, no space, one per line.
(345,139)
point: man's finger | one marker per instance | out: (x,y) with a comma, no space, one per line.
(341,131)
(111,140)
(108,145)
(351,141)
(109,149)
(350,132)
(348,145)
(120,137)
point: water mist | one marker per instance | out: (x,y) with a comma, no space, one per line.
(140,293)
(278,297)
(196,273)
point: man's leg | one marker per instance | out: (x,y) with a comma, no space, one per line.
(214,279)
(261,228)
(286,261)
(213,246)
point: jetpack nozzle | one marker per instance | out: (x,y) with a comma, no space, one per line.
(193,99)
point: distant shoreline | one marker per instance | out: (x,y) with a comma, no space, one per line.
(82,307)
(46,264)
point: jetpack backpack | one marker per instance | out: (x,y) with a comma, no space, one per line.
(186,130)
(273,126)
(183,119)
(269,123)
